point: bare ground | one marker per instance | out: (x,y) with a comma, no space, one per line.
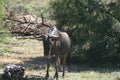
(29,53)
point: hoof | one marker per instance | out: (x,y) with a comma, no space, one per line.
(57,79)
(46,77)
(63,76)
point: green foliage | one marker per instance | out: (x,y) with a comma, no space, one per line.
(93,27)
(32,8)
(4,38)
(1,13)
(5,50)
(21,7)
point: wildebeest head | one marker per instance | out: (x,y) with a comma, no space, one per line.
(54,33)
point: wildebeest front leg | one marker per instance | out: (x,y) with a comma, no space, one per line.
(47,74)
(57,63)
(64,63)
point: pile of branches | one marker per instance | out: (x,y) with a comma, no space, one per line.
(24,24)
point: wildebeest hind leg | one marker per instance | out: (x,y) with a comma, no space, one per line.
(57,63)
(64,63)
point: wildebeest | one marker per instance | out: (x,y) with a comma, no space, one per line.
(56,43)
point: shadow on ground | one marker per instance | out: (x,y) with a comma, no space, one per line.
(38,78)
(37,63)
(40,63)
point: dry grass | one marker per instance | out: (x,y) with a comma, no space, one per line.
(30,1)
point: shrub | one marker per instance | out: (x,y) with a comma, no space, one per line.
(92,26)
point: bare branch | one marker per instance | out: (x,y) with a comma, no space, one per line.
(43,19)
(4,32)
(24,30)
(42,16)
(41,11)
(22,22)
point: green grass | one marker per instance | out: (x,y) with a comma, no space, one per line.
(100,74)
(5,50)
(90,76)
(4,38)
(95,74)
(85,73)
